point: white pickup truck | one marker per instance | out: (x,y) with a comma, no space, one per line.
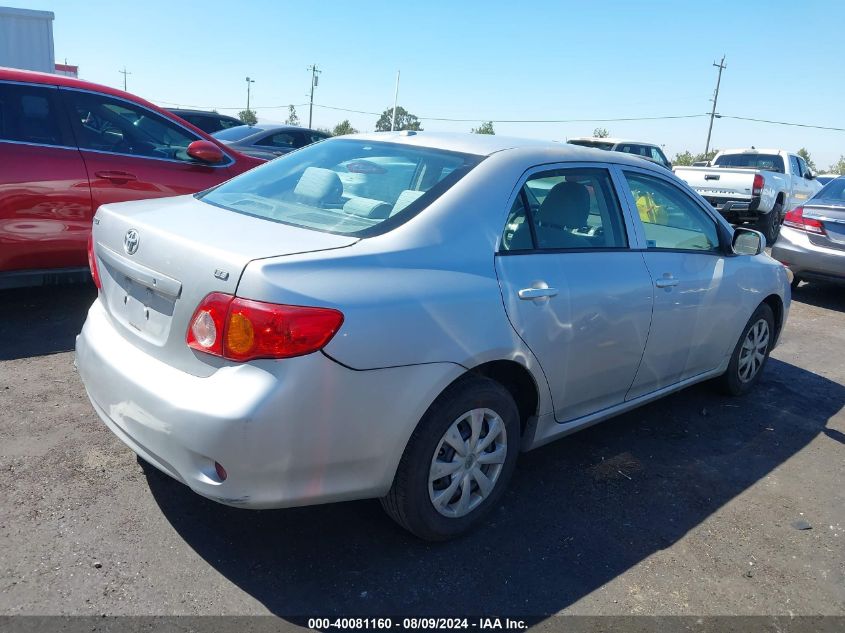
(753,186)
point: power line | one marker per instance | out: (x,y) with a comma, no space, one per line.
(807,125)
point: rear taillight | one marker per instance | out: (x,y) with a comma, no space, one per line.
(757,187)
(243,329)
(92,262)
(796,220)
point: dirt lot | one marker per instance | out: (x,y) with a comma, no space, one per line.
(687,506)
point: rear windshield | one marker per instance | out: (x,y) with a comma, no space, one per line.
(597,144)
(832,191)
(767,162)
(344,186)
(236,133)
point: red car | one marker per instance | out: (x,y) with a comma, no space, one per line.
(67,146)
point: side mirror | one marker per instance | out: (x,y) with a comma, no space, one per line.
(206,152)
(809,175)
(747,241)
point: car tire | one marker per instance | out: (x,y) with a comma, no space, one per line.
(473,402)
(750,354)
(769,224)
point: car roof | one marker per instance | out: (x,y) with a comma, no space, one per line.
(531,150)
(49,79)
(610,139)
(200,112)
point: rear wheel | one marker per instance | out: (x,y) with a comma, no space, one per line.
(769,224)
(751,353)
(458,461)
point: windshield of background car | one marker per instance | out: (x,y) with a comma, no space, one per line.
(767,162)
(345,186)
(833,191)
(596,144)
(234,134)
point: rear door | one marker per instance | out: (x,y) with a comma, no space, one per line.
(45,200)
(695,307)
(133,153)
(574,288)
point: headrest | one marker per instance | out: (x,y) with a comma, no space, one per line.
(319,185)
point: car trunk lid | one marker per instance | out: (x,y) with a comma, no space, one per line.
(159,258)
(832,218)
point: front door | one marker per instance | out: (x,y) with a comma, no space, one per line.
(133,153)
(695,305)
(574,290)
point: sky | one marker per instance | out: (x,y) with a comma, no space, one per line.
(484,60)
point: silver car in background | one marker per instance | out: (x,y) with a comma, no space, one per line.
(398,315)
(268,141)
(812,239)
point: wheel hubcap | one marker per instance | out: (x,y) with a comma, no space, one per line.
(753,351)
(467,462)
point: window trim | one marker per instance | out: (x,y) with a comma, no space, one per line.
(189,132)
(631,237)
(691,195)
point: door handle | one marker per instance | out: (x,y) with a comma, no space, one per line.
(667,281)
(536,293)
(117,177)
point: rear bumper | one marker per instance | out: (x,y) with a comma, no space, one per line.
(737,210)
(805,259)
(294,432)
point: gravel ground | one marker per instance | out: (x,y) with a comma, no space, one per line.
(686,506)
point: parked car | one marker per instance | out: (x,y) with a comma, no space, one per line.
(823,179)
(66,147)
(649,151)
(268,141)
(812,241)
(276,341)
(208,122)
(755,186)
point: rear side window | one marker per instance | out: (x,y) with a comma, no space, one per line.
(344,186)
(107,124)
(29,114)
(566,209)
(283,140)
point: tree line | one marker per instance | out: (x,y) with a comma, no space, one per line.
(407,121)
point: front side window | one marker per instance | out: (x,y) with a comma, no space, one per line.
(107,124)
(566,209)
(671,219)
(803,170)
(28,115)
(344,186)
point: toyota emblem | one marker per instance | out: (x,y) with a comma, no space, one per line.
(130,241)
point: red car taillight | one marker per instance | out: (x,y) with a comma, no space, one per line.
(796,220)
(92,262)
(243,329)
(757,186)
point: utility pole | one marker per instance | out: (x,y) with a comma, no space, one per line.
(124,72)
(395,101)
(248,82)
(314,80)
(721,66)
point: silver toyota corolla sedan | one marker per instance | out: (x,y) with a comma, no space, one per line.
(812,239)
(398,315)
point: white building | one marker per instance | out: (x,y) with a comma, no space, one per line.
(26,39)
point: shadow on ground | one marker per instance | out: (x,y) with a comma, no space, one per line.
(42,320)
(578,513)
(821,294)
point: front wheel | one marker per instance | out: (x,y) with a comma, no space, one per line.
(750,354)
(458,461)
